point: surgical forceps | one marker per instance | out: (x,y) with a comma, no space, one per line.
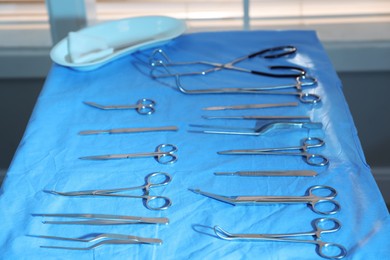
(307,143)
(164,154)
(270,53)
(100,219)
(106,239)
(129,130)
(320,227)
(146,197)
(257,131)
(312,199)
(250,106)
(307,98)
(143,106)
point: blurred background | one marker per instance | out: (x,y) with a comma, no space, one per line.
(355,34)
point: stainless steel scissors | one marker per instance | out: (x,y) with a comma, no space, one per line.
(147,198)
(164,154)
(311,159)
(159,57)
(143,106)
(337,251)
(329,206)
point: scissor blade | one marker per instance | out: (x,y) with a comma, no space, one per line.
(249,106)
(229,200)
(259,117)
(129,130)
(93,104)
(106,157)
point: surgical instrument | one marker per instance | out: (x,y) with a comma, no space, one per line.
(268,173)
(257,131)
(107,239)
(129,130)
(259,117)
(250,106)
(143,106)
(325,249)
(307,98)
(159,57)
(307,143)
(164,154)
(312,199)
(101,219)
(146,197)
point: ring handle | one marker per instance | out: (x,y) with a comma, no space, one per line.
(149,179)
(306,81)
(165,153)
(165,205)
(316,159)
(322,248)
(146,106)
(309,98)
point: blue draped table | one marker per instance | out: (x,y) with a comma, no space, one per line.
(47,159)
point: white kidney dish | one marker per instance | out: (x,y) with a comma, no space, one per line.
(121,37)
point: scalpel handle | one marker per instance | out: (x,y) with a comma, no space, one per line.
(269,173)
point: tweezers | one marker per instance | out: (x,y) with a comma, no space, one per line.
(102,219)
(257,130)
(113,239)
(129,130)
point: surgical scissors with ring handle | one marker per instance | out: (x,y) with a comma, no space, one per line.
(337,251)
(307,143)
(329,205)
(143,106)
(146,197)
(270,53)
(164,154)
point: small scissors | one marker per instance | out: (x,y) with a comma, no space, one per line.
(147,198)
(312,199)
(270,53)
(320,227)
(311,159)
(143,106)
(164,154)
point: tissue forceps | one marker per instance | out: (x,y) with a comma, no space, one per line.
(307,98)
(143,106)
(101,219)
(129,130)
(307,143)
(257,131)
(319,229)
(312,199)
(109,239)
(146,197)
(270,53)
(164,154)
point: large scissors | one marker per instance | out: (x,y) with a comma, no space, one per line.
(321,226)
(307,143)
(164,154)
(143,106)
(151,182)
(329,205)
(160,58)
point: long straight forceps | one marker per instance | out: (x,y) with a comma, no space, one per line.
(310,158)
(143,106)
(146,197)
(337,251)
(164,154)
(160,58)
(329,206)
(99,219)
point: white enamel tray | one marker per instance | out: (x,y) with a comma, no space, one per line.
(125,36)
